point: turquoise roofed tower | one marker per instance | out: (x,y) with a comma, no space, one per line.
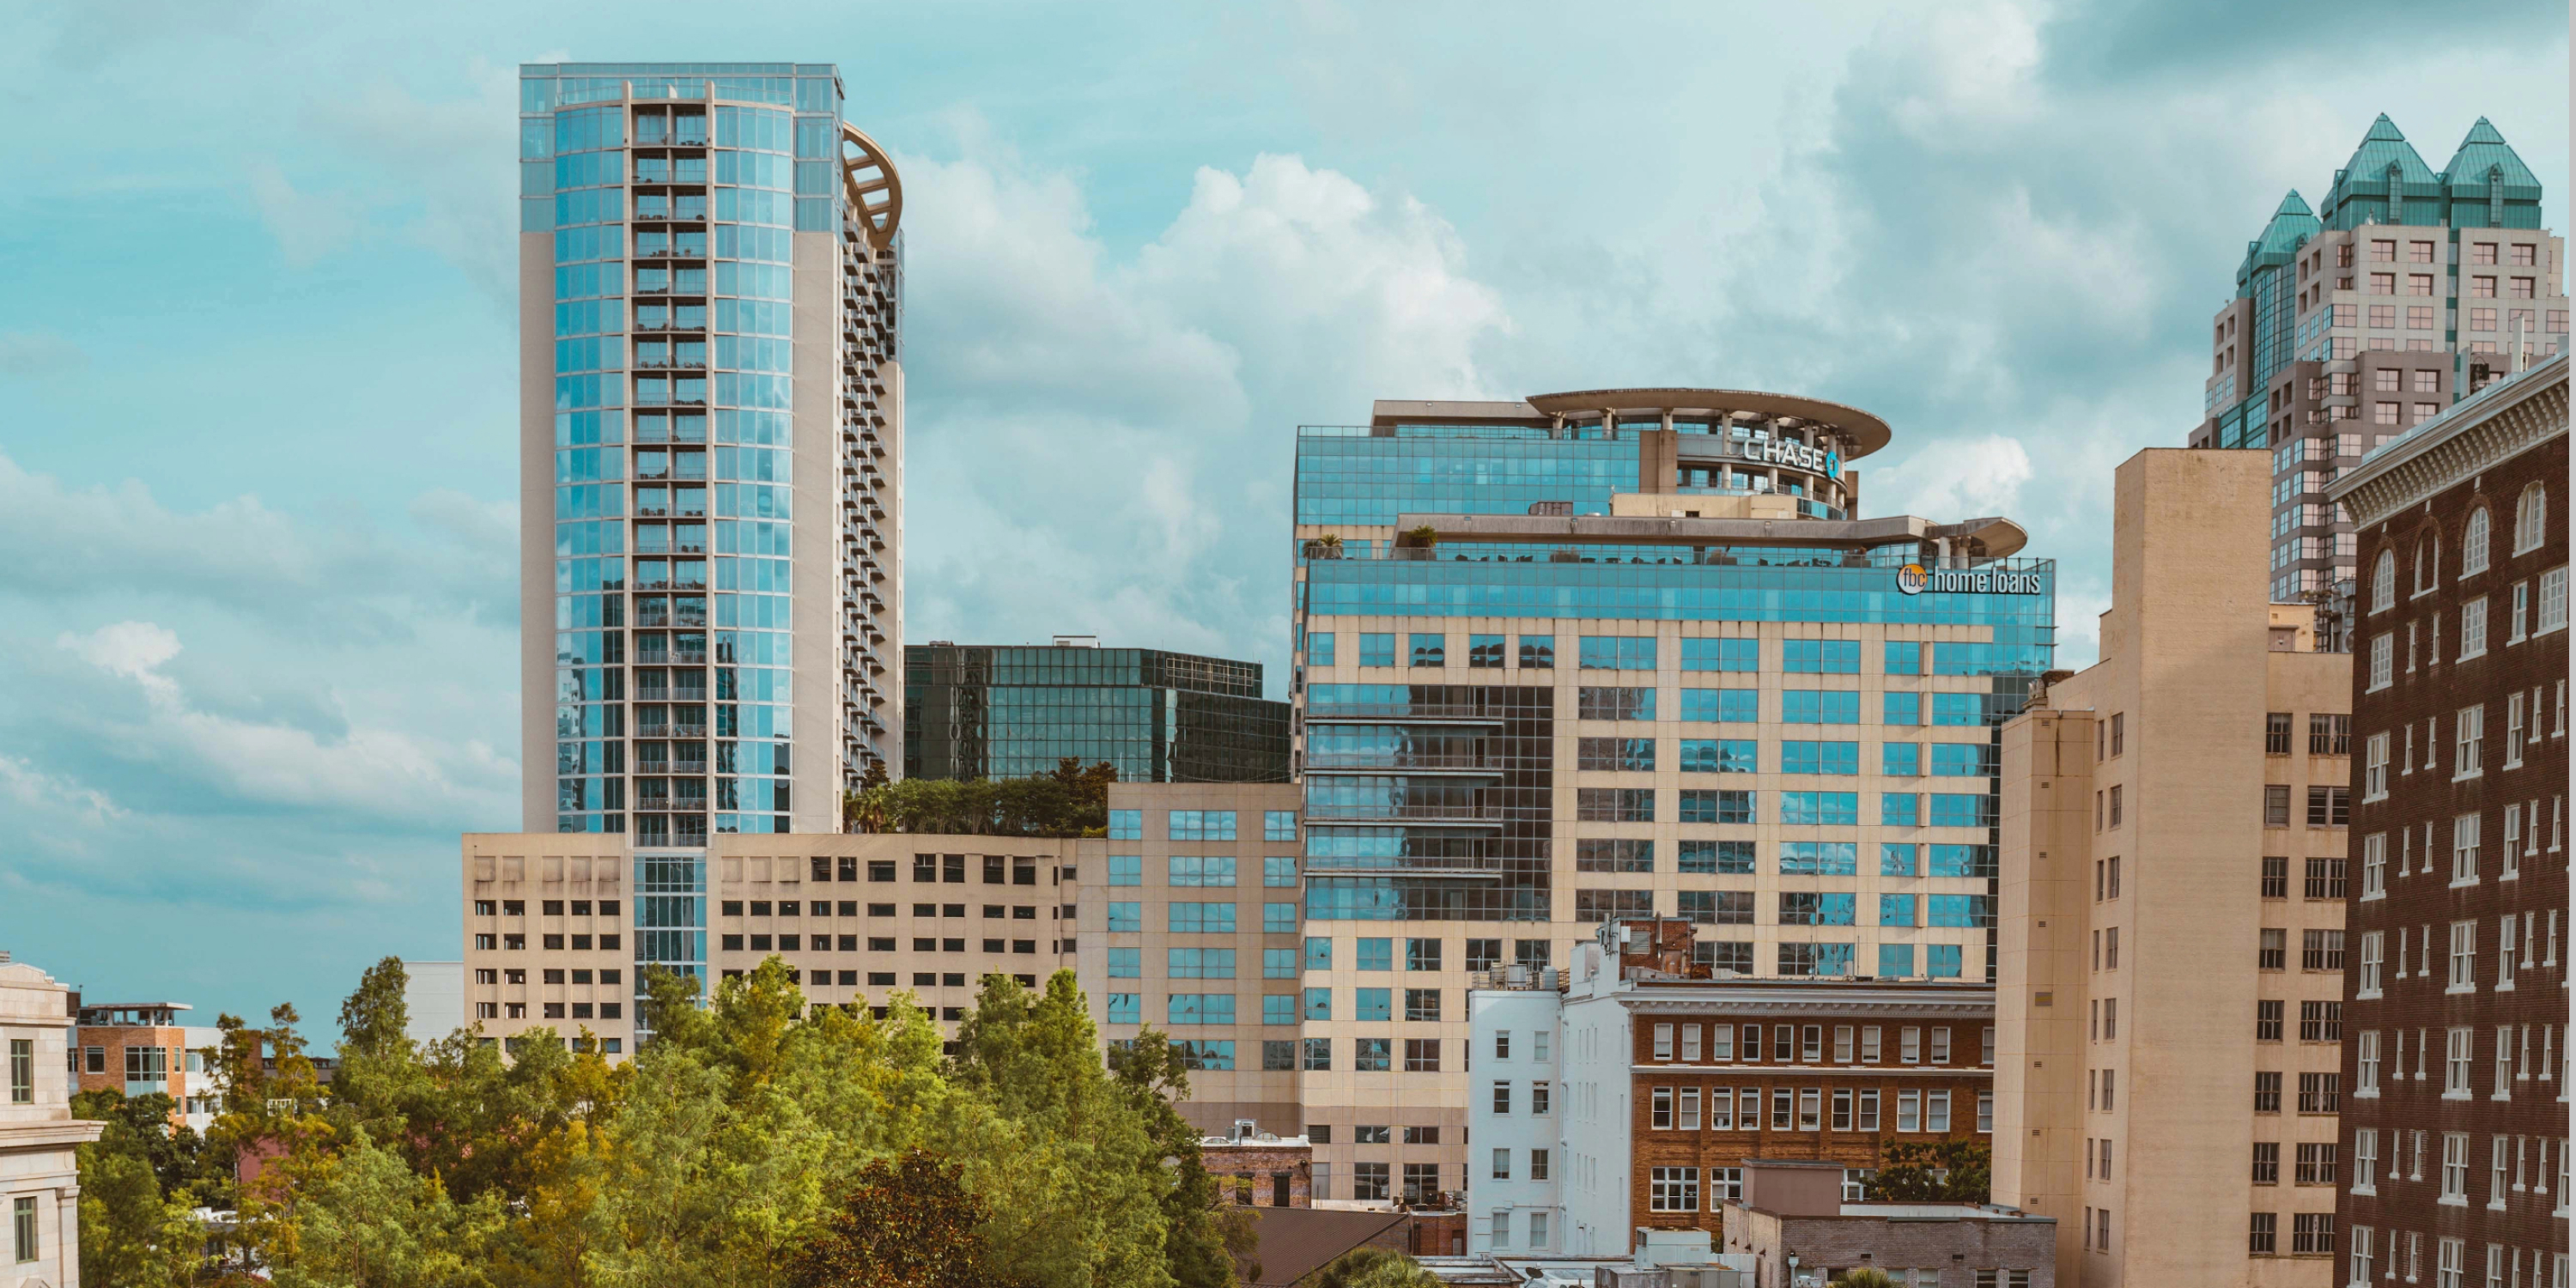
(2486,185)
(2385,182)
(2265,277)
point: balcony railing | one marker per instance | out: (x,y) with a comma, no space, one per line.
(1397,761)
(1444,813)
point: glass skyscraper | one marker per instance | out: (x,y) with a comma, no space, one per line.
(711,428)
(1625,653)
(974,711)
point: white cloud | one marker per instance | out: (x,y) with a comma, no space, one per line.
(36,793)
(1109,440)
(40,353)
(1959,479)
(309,226)
(381,772)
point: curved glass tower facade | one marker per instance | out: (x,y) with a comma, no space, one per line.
(711,416)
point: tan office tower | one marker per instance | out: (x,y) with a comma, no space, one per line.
(1622,653)
(711,429)
(2170,984)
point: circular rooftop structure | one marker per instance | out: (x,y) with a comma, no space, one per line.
(1860,432)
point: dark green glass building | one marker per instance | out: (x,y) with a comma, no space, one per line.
(1009,711)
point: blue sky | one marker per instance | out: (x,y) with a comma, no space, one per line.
(257,362)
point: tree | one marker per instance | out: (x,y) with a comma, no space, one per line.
(1865,1278)
(132,1235)
(907,1222)
(1155,1075)
(142,1126)
(375,1020)
(1368,1266)
(1949,1171)
(363,1220)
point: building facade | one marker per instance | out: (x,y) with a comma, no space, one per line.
(859,917)
(2170,995)
(1514,1190)
(2348,324)
(1798,1225)
(143,1049)
(1627,653)
(1191,922)
(39,1138)
(711,432)
(2458,1166)
(979,711)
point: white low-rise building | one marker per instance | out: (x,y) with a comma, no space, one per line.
(39,1170)
(1512,1115)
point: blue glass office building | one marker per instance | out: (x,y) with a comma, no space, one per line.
(1631,652)
(1012,711)
(711,405)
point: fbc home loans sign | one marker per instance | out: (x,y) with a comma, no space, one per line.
(1914,579)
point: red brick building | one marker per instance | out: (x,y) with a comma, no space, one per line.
(2455,1008)
(1674,1078)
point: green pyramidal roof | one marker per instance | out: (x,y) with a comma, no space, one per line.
(2290,226)
(2483,157)
(2361,192)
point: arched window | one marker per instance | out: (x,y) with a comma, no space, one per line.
(2383,583)
(2531,519)
(2428,563)
(2473,543)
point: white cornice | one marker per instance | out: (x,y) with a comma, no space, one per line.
(2473,437)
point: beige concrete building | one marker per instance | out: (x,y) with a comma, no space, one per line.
(547,916)
(39,1170)
(2170,982)
(1191,921)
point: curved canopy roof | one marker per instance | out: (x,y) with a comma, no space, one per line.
(1867,432)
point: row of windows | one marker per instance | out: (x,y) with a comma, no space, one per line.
(1806,1043)
(1803,1109)
(2518,939)
(1796,756)
(850,908)
(1202,918)
(2523,620)
(546,907)
(1796,858)
(2530,532)
(1187,872)
(2515,1060)
(1201,825)
(1797,706)
(1638,653)
(850,944)
(2405,1252)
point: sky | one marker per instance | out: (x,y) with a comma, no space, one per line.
(258,368)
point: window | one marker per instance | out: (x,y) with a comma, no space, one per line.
(2276,876)
(2267,1093)
(2458,1047)
(2321,1021)
(1279,825)
(1422,1055)
(1377,648)
(2329,735)
(2313,1232)
(1429,650)
(2267,1162)
(2473,543)
(2276,805)
(2329,806)
(2455,1167)
(2531,519)
(22,1219)
(1319,648)
(2260,1241)
(2321,950)
(2473,629)
(1673,1189)
(1538,652)
(2383,582)
(2272,950)
(2553,601)
(1618,754)
(1485,652)
(1617,652)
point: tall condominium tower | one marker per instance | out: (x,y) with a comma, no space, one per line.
(2375,313)
(1615,654)
(1003,711)
(711,421)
